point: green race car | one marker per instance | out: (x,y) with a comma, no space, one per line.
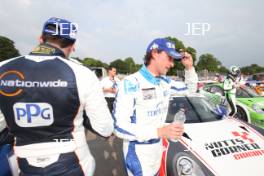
(250,106)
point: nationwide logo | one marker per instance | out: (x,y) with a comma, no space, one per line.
(242,146)
(12,83)
(10,74)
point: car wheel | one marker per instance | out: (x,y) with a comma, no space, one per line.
(184,164)
(241,114)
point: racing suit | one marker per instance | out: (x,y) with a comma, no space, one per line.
(43,97)
(140,109)
(230,84)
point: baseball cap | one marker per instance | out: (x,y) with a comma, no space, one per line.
(166,45)
(64,28)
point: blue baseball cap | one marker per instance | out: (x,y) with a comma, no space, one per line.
(64,28)
(166,45)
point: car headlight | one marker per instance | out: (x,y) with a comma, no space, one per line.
(185,166)
(257,108)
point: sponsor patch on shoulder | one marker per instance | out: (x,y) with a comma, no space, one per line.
(130,87)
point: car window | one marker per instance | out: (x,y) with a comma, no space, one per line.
(197,109)
(181,102)
(217,90)
(240,93)
(249,91)
(204,109)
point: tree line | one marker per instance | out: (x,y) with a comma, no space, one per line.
(127,65)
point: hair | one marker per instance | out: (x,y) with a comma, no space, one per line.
(60,41)
(148,57)
(110,68)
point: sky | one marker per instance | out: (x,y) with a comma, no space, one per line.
(231,30)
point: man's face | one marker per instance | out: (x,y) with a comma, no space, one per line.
(163,62)
(112,72)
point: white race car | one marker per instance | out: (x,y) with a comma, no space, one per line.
(212,145)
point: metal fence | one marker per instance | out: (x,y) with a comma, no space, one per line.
(202,75)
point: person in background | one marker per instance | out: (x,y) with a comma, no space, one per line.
(109,85)
(230,85)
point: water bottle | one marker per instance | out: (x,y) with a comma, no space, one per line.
(179,117)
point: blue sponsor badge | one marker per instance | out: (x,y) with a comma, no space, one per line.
(130,87)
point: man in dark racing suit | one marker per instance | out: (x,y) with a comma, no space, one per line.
(43,96)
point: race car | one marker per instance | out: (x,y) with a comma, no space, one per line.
(250,105)
(211,144)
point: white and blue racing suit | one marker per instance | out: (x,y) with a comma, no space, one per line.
(43,96)
(140,109)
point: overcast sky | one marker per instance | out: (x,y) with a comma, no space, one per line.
(112,29)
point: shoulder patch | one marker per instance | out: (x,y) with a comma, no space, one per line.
(130,87)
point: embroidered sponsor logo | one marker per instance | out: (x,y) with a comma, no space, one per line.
(130,87)
(33,114)
(149,93)
(160,109)
(4,82)
(43,50)
(12,83)
(170,45)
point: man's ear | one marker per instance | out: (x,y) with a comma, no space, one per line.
(73,48)
(68,50)
(41,40)
(154,53)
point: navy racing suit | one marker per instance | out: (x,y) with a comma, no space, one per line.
(140,109)
(43,97)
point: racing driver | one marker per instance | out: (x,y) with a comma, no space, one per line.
(141,107)
(43,96)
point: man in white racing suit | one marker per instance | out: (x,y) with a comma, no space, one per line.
(141,107)
(43,97)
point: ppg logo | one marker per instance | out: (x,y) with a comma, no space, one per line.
(33,114)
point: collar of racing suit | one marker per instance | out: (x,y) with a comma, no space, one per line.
(148,76)
(47,50)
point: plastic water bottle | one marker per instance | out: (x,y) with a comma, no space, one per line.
(179,117)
